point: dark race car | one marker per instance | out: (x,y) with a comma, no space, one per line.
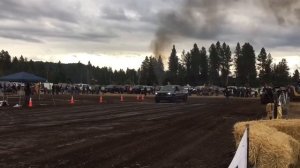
(171,93)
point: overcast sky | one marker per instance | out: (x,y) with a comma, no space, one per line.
(120,33)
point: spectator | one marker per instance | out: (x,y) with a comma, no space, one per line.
(27,90)
(53,89)
(227,92)
(145,91)
(4,87)
(57,90)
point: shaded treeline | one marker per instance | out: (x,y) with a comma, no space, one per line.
(67,73)
(216,66)
(220,66)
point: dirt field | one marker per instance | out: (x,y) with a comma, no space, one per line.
(128,134)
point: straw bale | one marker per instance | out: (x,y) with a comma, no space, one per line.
(290,127)
(268,147)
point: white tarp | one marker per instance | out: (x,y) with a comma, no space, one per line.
(240,158)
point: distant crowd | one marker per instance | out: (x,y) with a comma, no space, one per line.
(10,87)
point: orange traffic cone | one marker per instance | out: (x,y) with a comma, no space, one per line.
(30,102)
(72,100)
(138,97)
(100,99)
(121,98)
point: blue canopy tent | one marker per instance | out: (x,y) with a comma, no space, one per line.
(23,77)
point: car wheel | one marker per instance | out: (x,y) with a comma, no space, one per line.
(157,100)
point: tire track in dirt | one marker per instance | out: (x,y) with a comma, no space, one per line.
(163,135)
(127,145)
(66,120)
(168,109)
(71,112)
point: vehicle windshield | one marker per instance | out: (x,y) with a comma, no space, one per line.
(167,88)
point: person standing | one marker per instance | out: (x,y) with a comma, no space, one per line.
(27,91)
(145,91)
(226,92)
(53,89)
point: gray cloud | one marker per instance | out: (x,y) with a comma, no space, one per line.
(37,21)
(38,36)
(114,14)
(196,19)
(211,20)
(24,10)
(19,37)
(71,20)
(284,11)
(38,33)
(122,26)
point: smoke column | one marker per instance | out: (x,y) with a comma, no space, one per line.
(203,19)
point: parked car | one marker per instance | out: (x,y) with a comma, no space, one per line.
(137,89)
(171,93)
(188,89)
(148,89)
(110,89)
(254,92)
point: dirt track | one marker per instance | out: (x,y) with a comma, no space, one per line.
(128,134)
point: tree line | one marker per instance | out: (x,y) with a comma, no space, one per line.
(66,73)
(217,66)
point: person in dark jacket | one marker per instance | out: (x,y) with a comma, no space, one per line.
(27,91)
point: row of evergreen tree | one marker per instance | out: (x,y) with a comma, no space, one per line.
(218,66)
(67,73)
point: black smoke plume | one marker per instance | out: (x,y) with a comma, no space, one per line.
(204,19)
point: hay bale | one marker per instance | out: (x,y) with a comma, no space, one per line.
(269,148)
(290,127)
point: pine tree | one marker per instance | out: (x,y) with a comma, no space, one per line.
(213,65)
(15,65)
(195,65)
(219,53)
(59,74)
(159,71)
(296,77)
(225,63)
(181,74)
(144,74)
(238,63)
(248,73)
(281,73)
(89,74)
(187,62)
(173,67)
(131,76)
(5,62)
(203,66)
(268,69)
(152,77)
(262,65)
